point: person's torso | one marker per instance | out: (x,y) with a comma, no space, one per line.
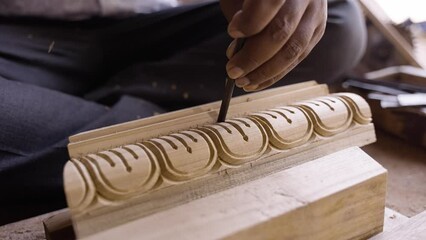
(84,9)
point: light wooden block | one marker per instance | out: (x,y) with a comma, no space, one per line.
(126,172)
(393,219)
(412,229)
(340,196)
(55,229)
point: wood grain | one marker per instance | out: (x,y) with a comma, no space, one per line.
(340,196)
(393,219)
(190,111)
(124,172)
(123,183)
(156,126)
(413,229)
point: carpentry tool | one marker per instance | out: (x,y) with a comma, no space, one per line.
(229,87)
(390,94)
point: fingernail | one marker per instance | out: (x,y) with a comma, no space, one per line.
(230,49)
(235,72)
(236,34)
(250,88)
(242,82)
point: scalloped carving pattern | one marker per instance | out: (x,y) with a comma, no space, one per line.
(131,170)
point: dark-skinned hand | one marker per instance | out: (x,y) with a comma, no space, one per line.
(279,35)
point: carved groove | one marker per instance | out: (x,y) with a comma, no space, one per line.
(132,170)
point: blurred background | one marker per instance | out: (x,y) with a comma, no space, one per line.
(391,72)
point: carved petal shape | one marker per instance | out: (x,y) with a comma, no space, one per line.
(123,172)
(358,105)
(287,127)
(184,155)
(239,140)
(330,115)
(78,185)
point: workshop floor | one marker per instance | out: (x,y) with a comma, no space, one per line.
(406,165)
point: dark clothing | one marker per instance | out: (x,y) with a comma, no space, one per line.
(84,9)
(61,78)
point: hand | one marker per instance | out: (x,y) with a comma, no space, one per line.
(279,35)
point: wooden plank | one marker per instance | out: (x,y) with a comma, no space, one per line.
(163,125)
(108,216)
(340,196)
(413,229)
(121,184)
(55,229)
(31,228)
(379,18)
(59,226)
(393,219)
(54,224)
(185,112)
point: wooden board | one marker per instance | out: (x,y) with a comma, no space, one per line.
(194,110)
(129,171)
(413,229)
(59,226)
(340,196)
(111,187)
(138,130)
(28,229)
(393,219)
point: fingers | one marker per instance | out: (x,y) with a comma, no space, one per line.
(270,82)
(300,44)
(260,48)
(230,49)
(254,17)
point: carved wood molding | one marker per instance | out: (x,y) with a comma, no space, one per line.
(111,177)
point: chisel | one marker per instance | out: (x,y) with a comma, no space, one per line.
(229,87)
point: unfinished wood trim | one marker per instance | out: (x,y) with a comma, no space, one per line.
(413,229)
(112,182)
(166,126)
(379,18)
(188,111)
(340,196)
(109,216)
(130,170)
